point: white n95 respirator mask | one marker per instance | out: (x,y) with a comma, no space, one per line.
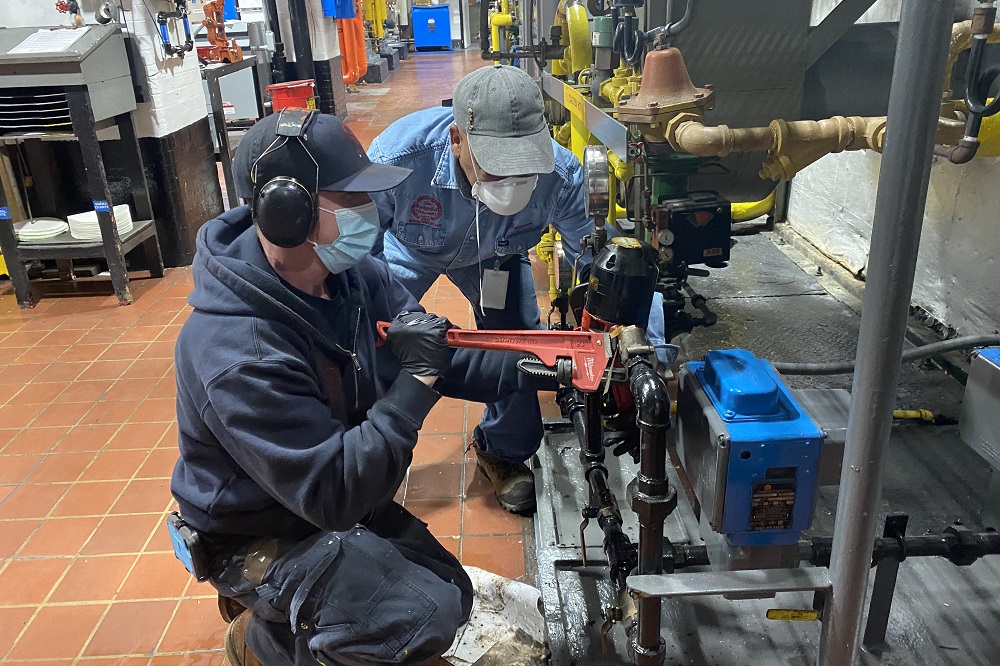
(505,197)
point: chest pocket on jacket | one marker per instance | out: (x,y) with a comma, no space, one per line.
(519,239)
(421,225)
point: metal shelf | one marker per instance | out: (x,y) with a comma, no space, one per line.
(65,246)
(93,79)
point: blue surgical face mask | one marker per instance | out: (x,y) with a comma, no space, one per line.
(358,232)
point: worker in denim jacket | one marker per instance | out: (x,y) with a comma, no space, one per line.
(487,181)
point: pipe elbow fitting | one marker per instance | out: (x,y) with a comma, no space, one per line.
(961,153)
(693,137)
(650,394)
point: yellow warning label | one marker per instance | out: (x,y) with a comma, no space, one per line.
(626,241)
(792,615)
(574,101)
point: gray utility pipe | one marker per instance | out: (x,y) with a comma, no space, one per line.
(910,355)
(914,105)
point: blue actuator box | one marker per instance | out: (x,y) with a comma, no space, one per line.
(748,448)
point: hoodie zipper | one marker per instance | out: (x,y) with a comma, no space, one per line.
(354,356)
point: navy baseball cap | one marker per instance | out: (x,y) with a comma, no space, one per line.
(343,164)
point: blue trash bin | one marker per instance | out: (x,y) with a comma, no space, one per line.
(432,28)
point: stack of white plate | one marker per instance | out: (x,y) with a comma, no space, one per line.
(40,228)
(83,226)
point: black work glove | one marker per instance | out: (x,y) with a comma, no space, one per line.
(621,434)
(419,342)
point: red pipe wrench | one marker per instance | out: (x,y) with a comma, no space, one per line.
(590,353)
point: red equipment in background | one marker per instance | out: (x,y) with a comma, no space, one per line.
(220,49)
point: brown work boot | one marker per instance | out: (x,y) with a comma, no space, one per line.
(513,483)
(237,652)
(229,609)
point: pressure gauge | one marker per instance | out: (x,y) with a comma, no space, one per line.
(595,181)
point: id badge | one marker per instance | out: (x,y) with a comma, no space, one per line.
(494,295)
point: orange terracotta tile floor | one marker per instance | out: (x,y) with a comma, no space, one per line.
(88,442)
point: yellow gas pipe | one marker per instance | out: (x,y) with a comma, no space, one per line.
(376,12)
(620,172)
(623,81)
(571,16)
(751,210)
(501,19)
(546,250)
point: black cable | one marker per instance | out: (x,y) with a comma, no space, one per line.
(530,20)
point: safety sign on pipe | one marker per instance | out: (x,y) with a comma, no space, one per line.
(575,102)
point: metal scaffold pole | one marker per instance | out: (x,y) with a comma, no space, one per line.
(914,106)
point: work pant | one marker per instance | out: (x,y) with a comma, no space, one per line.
(384,593)
(510,429)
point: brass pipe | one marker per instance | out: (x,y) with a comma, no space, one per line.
(792,146)
(687,133)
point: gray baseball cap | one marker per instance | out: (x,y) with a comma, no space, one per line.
(500,109)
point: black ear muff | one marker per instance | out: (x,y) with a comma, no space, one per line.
(284,212)
(285,208)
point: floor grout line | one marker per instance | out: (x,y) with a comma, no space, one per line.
(74,558)
(104,615)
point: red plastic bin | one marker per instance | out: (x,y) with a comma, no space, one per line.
(294,94)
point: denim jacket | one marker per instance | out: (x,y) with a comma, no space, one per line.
(432,213)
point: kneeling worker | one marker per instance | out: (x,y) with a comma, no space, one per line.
(488,180)
(296,428)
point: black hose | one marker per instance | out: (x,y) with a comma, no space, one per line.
(978,84)
(920,353)
(629,41)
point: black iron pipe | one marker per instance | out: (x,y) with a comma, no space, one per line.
(960,548)
(584,412)
(617,546)
(594,443)
(299,19)
(652,402)
(650,497)
(686,555)
(672,27)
